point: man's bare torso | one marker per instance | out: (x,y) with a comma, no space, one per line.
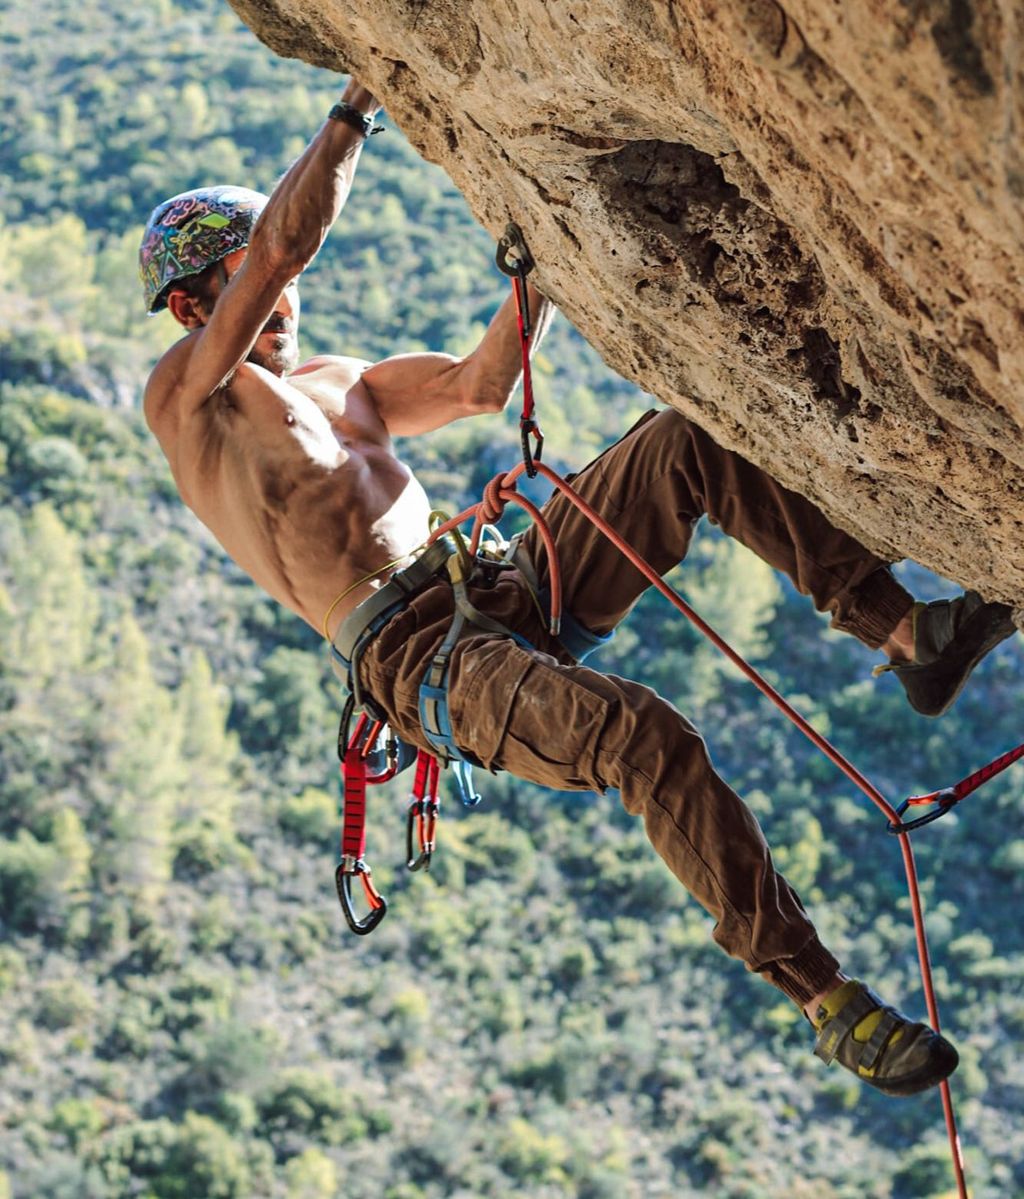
(296,478)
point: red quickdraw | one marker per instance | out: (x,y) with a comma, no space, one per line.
(352,863)
(355,752)
(421,823)
(515,260)
(946,799)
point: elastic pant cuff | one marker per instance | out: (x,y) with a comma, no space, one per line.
(876,607)
(806,974)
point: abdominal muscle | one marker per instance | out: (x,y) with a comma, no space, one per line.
(302,488)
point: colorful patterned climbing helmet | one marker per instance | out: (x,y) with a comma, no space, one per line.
(187,233)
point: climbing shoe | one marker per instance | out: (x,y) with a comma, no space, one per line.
(950,639)
(880,1045)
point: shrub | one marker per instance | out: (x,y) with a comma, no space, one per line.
(195,1158)
(29,883)
(203,1160)
(311,1175)
(65,1003)
(312,1104)
(530,1157)
(80,1120)
(926,1172)
(311,816)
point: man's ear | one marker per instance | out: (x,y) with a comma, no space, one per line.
(187,310)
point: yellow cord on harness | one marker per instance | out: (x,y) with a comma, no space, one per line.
(434,521)
(365,579)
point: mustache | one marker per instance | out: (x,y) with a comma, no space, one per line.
(278,324)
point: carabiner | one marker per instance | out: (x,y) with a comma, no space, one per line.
(343,883)
(945,801)
(528,427)
(422,818)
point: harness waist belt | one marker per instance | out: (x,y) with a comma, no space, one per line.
(386,602)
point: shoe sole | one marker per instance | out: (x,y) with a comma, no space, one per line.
(944,1061)
(983,632)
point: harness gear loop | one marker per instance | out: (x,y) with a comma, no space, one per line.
(947,798)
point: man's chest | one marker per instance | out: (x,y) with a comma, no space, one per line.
(335,396)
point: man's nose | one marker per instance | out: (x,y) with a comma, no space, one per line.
(288,304)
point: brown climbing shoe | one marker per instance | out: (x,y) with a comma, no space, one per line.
(950,639)
(880,1045)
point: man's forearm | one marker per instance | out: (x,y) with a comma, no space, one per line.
(496,363)
(312,192)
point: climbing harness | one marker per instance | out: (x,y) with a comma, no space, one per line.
(514,259)
(433,696)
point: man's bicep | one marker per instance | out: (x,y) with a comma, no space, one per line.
(223,344)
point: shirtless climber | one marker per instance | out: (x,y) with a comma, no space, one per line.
(292,468)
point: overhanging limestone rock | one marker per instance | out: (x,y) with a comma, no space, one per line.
(801,225)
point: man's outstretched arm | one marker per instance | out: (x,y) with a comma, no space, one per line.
(302,208)
(415,393)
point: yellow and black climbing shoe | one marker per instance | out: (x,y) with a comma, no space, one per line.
(879,1044)
(950,639)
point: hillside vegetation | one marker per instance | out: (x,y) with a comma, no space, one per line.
(183,1014)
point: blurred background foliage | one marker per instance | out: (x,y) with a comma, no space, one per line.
(543,1014)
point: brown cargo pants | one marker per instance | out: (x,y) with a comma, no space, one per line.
(544,719)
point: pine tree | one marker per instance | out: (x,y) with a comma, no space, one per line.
(137,773)
(204,811)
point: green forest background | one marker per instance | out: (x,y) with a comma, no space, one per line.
(182,1015)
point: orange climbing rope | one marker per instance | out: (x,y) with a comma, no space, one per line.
(514,260)
(501,490)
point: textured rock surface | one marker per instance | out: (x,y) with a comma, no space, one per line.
(801,224)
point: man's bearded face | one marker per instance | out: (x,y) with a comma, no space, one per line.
(277,347)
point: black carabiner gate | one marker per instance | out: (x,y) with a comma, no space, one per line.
(378,905)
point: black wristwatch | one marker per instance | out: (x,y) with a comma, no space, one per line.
(351,116)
